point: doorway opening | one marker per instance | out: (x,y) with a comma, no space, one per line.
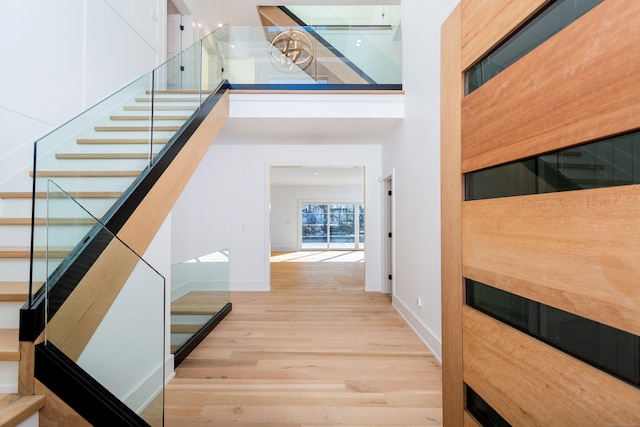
(317,228)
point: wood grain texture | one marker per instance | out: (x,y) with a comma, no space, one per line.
(151,213)
(9,349)
(94,295)
(76,321)
(573,88)
(126,141)
(306,356)
(56,413)
(451,198)
(486,23)
(530,383)
(26,368)
(470,421)
(577,251)
(14,291)
(14,408)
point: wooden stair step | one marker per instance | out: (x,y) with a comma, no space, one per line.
(136,128)
(179,92)
(74,194)
(14,291)
(103,156)
(43,221)
(147,118)
(159,108)
(25,252)
(15,408)
(9,346)
(185,329)
(86,174)
(193,311)
(131,141)
(194,99)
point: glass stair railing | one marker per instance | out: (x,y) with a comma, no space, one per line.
(199,296)
(99,156)
(111,326)
(101,306)
(364,36)
(315,54)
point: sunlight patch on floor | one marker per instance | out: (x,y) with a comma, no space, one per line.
(318,256)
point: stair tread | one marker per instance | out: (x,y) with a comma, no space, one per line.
(43,221)
(179,92)
(15,408)
(74,194)
(9,345)
(14,291)
(102,156)
(25,252)
(132,141)
(136,128)
(87,174)
(155,99)
(185,329)
(159,108)
(147,118)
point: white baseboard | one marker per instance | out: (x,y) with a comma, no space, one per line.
(424,333)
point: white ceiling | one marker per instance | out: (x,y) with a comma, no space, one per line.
(243,12)
(317,176)
(209,13)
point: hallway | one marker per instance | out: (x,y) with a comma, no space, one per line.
(315,351)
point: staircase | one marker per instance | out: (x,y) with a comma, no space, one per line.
(108,157)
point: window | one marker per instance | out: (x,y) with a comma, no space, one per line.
(332,226)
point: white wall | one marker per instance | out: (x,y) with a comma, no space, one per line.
(61,57)
(226,204)
(285,209)
(415,154)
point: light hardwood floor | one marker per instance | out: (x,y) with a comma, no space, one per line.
(315,351)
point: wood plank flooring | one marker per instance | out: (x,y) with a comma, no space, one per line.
(315,351)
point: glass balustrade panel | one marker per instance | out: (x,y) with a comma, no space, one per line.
(88,156)
(199,290)
(314,55)
(100,154)
(112,323)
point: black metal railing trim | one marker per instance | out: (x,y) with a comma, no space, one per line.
(197,338)
(85,395)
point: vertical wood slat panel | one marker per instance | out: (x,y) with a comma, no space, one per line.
(577,251)
(451,197)
(576,87)
(530,383)
(485,23)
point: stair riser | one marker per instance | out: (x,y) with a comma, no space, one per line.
(8,377)
(17,269)
(58,235)
(97,165)
(71,184)
(10,314)
(21,208)
(124,135)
